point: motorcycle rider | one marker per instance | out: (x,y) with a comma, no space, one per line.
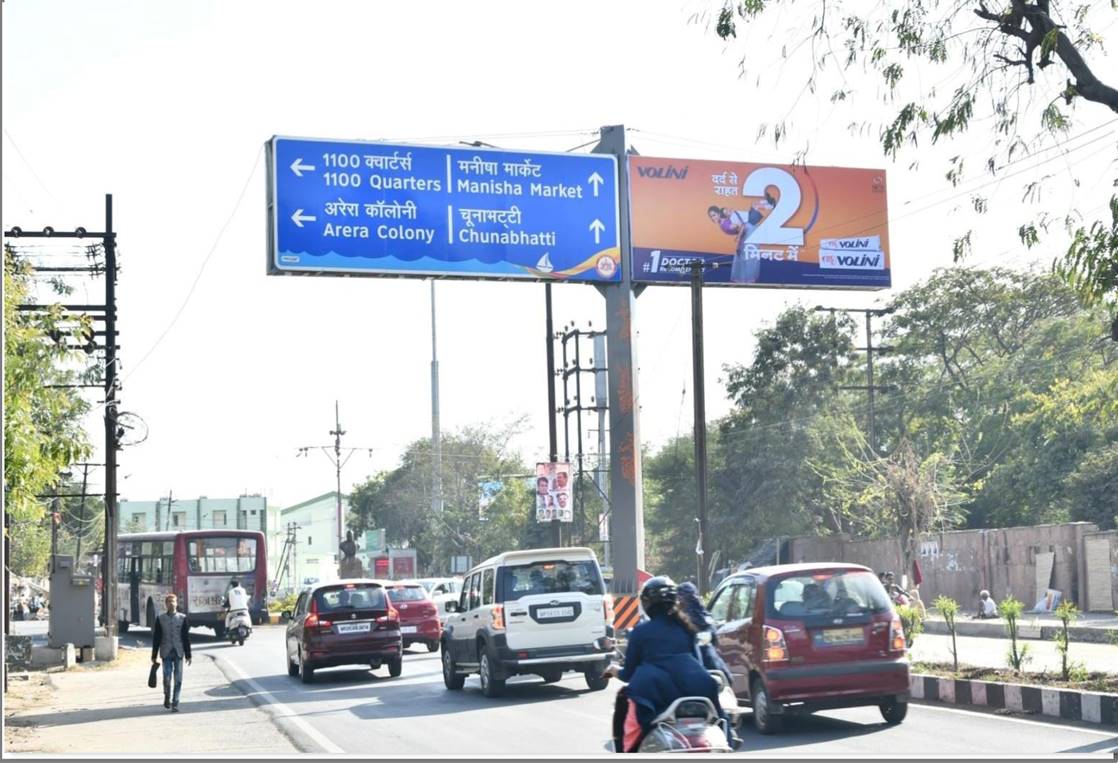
(661,665)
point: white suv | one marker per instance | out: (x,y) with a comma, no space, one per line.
(542,611)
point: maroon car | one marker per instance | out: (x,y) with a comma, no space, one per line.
(806,637)
(350,622)
(419,618)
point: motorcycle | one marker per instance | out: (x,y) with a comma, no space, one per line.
(238,626)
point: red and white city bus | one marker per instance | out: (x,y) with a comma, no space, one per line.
(196,566)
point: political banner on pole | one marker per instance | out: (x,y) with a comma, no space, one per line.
(553,492)
(759,224)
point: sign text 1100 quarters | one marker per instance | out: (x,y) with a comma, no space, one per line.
(759,224)
(392,209)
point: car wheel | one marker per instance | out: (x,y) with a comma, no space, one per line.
(595,680)
(893,711)
(454,681)
(763,717)
(396,667)
(551,676)
(306,672)
(432,646)
(490,686)
(292,668)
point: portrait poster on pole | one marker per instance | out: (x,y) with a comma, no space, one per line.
(553,492)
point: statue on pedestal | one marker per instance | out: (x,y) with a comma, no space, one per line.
(349,566)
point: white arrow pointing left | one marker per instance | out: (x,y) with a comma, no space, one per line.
(299,218)
(596,181)
(595,226)
(299,168)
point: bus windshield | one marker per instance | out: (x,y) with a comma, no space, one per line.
(222,554)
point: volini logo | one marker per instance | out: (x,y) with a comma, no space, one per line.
(663,173)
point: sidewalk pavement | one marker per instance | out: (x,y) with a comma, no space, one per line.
(1091,627)
(101,708)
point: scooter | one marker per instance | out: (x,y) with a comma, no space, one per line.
(238,626)
(690,724)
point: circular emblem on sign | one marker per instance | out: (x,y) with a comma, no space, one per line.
(606,266)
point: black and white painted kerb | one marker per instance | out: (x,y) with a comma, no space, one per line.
(1068,704)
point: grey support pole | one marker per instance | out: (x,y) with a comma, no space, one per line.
(626,497)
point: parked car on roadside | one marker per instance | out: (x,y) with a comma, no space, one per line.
(541,611)
(419,620)
(804,637)
(350,622)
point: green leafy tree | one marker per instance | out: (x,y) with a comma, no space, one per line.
(1020,69)
(42,423)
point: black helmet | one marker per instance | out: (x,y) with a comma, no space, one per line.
(658,592)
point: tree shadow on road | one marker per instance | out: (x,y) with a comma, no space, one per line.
(1105,745)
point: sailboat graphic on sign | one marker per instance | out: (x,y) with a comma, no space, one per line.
(544,265)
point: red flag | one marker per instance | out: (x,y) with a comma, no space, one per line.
(917,578)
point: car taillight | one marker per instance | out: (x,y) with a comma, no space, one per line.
(392,616)
(896,636)
(775,649)
(498,617)
(607,608)
(313,621)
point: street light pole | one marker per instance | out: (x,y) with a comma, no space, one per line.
(700,415)
(337,431)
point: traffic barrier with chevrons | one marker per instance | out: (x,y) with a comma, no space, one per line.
(626,612)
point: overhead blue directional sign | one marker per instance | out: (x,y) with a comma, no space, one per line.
(389,209)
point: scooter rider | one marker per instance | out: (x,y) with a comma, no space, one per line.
(661,664)
(235,598)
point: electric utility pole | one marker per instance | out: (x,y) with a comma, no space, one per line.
(869,349)
(334,453)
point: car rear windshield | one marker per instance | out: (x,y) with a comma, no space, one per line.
(549,577)
(827,594)
(406,593)
(355,596)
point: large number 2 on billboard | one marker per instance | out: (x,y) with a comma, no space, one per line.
(772,230)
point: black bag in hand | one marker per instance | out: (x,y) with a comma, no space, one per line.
(152,675)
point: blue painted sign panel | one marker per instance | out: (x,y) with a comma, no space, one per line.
(369,208)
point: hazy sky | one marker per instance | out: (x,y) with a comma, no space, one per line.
(168,105)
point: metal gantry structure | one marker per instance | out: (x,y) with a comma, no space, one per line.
(104,314)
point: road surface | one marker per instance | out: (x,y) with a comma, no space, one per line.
(365,712)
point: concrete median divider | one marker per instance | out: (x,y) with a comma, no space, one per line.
(1065,704)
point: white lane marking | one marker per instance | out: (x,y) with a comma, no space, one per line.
(286,712)
(1027,721)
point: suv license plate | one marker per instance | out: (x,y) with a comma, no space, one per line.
(550,613)
(353,627)
(407,629)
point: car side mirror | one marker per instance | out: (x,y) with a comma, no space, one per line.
(286,615)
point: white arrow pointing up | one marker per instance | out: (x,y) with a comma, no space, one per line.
(595,226)
(299,168)
(299,218)
(596,181)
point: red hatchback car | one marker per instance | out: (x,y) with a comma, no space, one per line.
(419,617)
(350,622)
(806,637)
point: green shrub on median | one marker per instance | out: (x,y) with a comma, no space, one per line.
(1010,609)
(949,608)
(912,622)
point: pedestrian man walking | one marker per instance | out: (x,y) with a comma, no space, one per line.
(171,642)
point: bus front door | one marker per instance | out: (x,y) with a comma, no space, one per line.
(134,591)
